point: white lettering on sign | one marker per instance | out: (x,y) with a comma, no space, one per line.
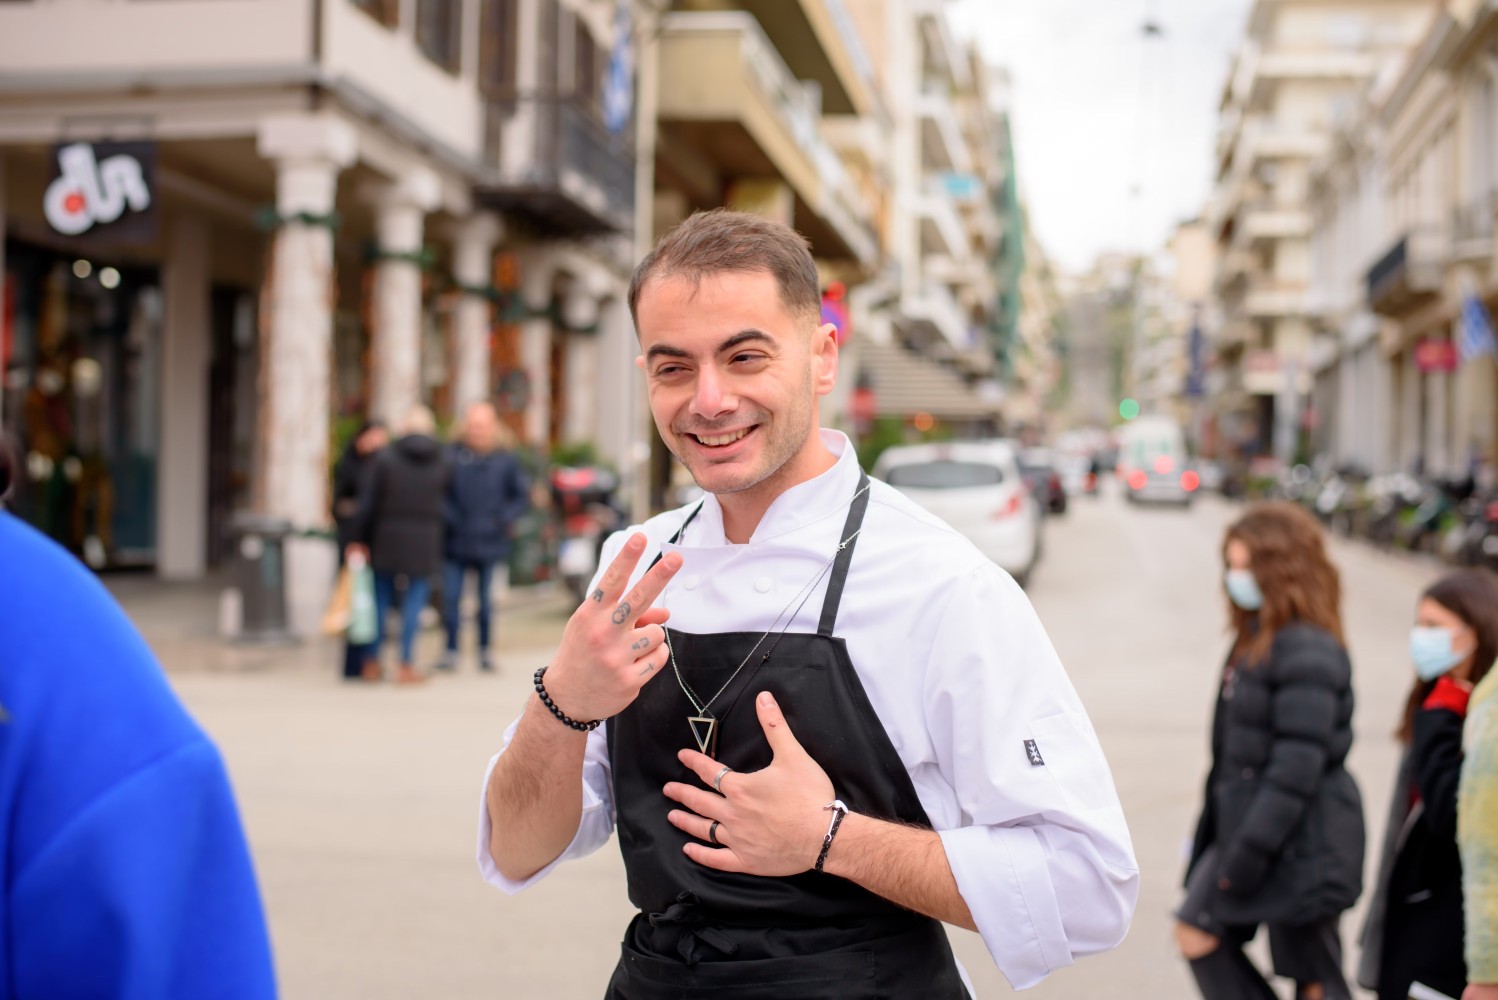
(91,192)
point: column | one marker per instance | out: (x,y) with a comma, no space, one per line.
(395,351)
(473,266)
(537,273)
(580,311)
(182,467)
(292,480)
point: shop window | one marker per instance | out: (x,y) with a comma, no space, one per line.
(387,12)
(498,51)
(438,25)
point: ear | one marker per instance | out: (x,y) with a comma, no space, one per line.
(824,354)
(640,361)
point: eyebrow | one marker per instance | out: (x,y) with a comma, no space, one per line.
(737,340)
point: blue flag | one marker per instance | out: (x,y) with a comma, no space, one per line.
(1474,330)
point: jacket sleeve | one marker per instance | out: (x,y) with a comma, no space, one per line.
(369,501)
(149,892)
(1303,715)
(1477,832)
(1437,754)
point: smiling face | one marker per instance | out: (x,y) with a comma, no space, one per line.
(734,379)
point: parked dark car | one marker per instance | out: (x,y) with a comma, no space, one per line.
(1039,468)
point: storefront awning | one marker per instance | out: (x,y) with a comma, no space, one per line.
(906,383)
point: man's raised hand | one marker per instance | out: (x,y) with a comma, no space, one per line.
(614,642)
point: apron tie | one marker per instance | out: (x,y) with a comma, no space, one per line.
(688,917)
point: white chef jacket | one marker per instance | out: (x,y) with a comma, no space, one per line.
(960,672)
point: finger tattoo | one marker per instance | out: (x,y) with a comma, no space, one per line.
(648,668)
(597,596)
(642,644)
(621,613)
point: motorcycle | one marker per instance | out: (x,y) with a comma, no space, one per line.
(586,499)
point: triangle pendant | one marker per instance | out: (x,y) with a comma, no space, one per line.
(704,728)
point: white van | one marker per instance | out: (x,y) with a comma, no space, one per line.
(1152,462)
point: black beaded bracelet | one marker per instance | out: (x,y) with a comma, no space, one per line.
(582,727)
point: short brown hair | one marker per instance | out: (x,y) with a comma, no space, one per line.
(1287,554)
(721,241)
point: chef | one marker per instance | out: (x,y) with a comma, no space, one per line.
(820,720)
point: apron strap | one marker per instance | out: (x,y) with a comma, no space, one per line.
(677,537)
(839,576)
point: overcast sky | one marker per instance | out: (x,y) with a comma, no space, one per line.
(1099,110)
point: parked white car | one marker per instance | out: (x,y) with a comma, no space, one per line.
(976,487)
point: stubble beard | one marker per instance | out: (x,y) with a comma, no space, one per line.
(784,440)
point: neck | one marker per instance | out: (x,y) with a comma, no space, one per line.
(742,511)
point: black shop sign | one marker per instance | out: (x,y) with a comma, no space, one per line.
(105,189)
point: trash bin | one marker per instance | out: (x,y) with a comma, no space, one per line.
(259,561)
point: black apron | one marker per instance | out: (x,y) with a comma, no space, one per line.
(706,933)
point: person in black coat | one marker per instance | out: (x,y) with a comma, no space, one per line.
(1415,927)
(1280,839)
(350,476)
(486,493)
(400,524)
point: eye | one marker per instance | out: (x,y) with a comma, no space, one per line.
(747,357)
(669,370)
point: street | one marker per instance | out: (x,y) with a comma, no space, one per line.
(361,802)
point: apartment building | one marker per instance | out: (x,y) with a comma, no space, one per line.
(1404,203)
(1168,347)
(227,225)
(1301,64)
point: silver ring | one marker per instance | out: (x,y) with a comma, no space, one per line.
(718,781)
(712,833)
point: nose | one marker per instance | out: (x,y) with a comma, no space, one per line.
(711,398)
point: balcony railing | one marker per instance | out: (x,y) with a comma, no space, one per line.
(1472,226)
(558,167)
(1410,272)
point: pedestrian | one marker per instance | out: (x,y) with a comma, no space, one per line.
(856,728)
(350,479)
(1477,835)
(126,869)
(486,494)
(1280,838)
(400,526)
(1414,929)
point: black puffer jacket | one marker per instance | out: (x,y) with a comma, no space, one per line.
(1280,806)
(400,511)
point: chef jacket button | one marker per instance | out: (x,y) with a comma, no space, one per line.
(691,582)
(763,585)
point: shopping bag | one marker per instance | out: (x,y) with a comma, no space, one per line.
(335,620)
(362,617)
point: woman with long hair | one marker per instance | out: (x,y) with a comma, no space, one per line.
(1415,927)
(1280,839)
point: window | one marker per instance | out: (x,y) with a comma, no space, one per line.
(944,475)
(498,55)
(587,72)
(438,24)
(387,12)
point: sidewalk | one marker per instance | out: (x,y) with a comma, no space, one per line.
(180,622)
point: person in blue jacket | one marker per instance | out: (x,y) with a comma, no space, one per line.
(487,492)
(126,873)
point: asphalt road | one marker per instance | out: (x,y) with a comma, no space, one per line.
(361,802)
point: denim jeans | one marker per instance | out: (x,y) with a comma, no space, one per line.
(454,574)
(418,589)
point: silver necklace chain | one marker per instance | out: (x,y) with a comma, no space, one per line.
(799,601)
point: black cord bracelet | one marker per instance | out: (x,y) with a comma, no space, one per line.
(838,812)
(582,727)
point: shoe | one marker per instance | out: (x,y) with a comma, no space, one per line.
(446,665)
(408,674)
(372,673)
(486,664)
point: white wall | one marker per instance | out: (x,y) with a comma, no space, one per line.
(93,36)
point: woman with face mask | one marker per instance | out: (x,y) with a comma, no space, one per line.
(1414,931)
(1280,839)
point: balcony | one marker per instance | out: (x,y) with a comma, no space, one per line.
(1274,300)
(557,168)
(1266,221)
(935,307)
(942,145)
(733,109)
(819,41)
(942,231)
(1472,228)
(1409,275)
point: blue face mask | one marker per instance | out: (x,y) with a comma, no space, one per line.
(1243,589)
(1430,649)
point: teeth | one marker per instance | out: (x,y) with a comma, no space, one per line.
(718,442)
